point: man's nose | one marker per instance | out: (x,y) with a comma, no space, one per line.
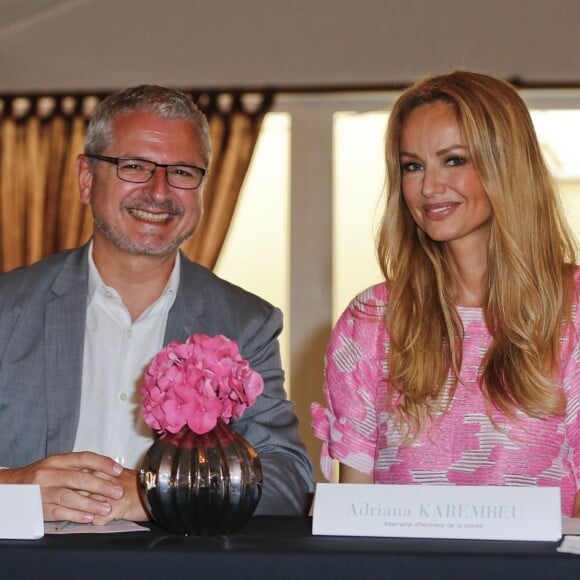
(158,186)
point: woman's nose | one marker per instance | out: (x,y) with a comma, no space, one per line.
(433,183)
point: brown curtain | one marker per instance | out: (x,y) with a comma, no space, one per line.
(40,137)
(234,121)
(39,208)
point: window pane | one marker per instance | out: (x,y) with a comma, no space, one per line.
(558,134)
(255,253)
(358,188)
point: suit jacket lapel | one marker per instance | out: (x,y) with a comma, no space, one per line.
(64,334)
(186,316)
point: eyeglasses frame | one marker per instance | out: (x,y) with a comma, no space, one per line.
(116,160)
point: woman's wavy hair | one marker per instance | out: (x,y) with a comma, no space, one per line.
(529,281)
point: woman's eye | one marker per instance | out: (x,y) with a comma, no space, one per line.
(456,160)
(410,167)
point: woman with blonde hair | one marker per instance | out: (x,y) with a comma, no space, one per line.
(463,366)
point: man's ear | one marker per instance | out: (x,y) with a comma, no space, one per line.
(84,171)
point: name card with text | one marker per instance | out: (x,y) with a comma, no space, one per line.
(433,511)
(20,512)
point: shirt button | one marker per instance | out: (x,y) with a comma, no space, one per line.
(108,294)
(123,396)
(129,334)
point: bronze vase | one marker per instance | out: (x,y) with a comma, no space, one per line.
(201,484)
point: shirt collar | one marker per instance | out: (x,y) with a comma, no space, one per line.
(96,282)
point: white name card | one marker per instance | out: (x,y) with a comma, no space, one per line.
(20,512)
(432,511)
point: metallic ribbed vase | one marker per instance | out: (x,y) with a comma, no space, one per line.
(201,484)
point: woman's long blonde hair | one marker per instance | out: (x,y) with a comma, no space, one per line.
(528,287)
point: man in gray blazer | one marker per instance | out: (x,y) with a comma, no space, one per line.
(77,329)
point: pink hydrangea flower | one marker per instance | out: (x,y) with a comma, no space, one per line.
(197,383)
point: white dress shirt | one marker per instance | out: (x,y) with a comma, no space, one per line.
(116,354)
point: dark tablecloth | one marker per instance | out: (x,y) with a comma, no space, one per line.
(278,548)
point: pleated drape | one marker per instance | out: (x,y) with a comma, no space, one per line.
(234,122)
(40,137)
(40,211)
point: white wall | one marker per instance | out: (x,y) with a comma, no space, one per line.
(104,44)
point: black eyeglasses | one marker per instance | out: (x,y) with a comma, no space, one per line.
(135,170)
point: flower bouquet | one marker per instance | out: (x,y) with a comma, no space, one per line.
(196,383)
(199,476)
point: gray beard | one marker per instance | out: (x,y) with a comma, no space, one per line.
(126,244)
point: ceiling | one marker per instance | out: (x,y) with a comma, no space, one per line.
(66,45)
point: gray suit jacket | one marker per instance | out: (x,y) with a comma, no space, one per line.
(42,326)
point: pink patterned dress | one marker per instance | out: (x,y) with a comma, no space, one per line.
(461,447)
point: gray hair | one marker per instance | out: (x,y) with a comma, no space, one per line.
(161,101)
